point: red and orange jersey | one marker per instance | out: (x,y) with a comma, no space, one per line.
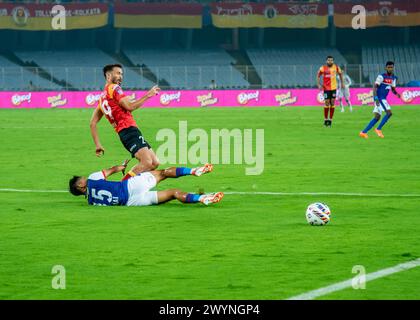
(117,116)
(329,76)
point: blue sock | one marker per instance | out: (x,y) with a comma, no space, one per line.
(370,125)
(384,120)
(182,171)
(191,198)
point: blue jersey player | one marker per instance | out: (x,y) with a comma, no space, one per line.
(136,191)
(384,82)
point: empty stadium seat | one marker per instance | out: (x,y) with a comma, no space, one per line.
(15,77)
(82,69)
(190,69)
(294,67)
(406,60)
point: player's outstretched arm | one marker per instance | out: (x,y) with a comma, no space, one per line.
(115,169)
(394,91)
(133,105)
(96,117)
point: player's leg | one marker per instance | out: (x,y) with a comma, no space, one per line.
(333,95)
(134,142)
(347,97)
(376,117)
(147,162)
(326,108)
(340,95)
(185,197)
(176,172)
(385,105)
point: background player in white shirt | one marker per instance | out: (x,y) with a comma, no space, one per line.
(344,93)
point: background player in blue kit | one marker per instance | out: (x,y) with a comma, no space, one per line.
(136,191)
(384,82)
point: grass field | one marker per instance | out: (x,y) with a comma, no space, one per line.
(246,247)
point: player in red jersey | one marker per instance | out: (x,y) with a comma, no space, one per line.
(117,108)
(329,73)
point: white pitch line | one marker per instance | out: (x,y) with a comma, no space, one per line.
(310,295)
(345,194)
(32,191)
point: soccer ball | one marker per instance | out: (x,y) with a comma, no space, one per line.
(318,214)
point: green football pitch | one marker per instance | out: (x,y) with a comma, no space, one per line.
(250,246)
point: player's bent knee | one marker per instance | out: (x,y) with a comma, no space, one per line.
(155,164)
(148,164)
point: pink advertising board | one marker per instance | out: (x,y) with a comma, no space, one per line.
(201,98)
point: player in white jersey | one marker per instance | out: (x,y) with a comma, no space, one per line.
(344,93)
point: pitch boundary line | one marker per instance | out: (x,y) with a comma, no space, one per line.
(310,295)
(344,194)
(31,190)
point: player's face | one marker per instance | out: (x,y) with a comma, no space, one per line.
(116,75)
(389,69)
(330,62)
(82,184)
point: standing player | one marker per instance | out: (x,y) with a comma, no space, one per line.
(329,73)
(117,108)
(384,82)
(344,93)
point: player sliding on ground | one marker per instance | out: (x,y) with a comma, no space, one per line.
(329,73)
(117,108)
(384,82)
(135,191)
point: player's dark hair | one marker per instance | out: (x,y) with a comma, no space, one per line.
(109,67)
(328,57)
(74,190)
(389,63)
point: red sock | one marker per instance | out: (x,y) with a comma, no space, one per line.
(332,109)
(325,113)
(128,175)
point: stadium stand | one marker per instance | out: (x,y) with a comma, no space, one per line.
(291,67)
(190,69)
(195,69)
(81,69)
(406,60)
(15,77)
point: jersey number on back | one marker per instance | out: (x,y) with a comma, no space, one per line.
(100,195)
(106,109)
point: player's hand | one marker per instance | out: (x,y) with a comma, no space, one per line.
(124,164)
(100,151)
(376,99)
(152,92)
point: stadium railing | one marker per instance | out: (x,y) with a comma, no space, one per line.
(191,77)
